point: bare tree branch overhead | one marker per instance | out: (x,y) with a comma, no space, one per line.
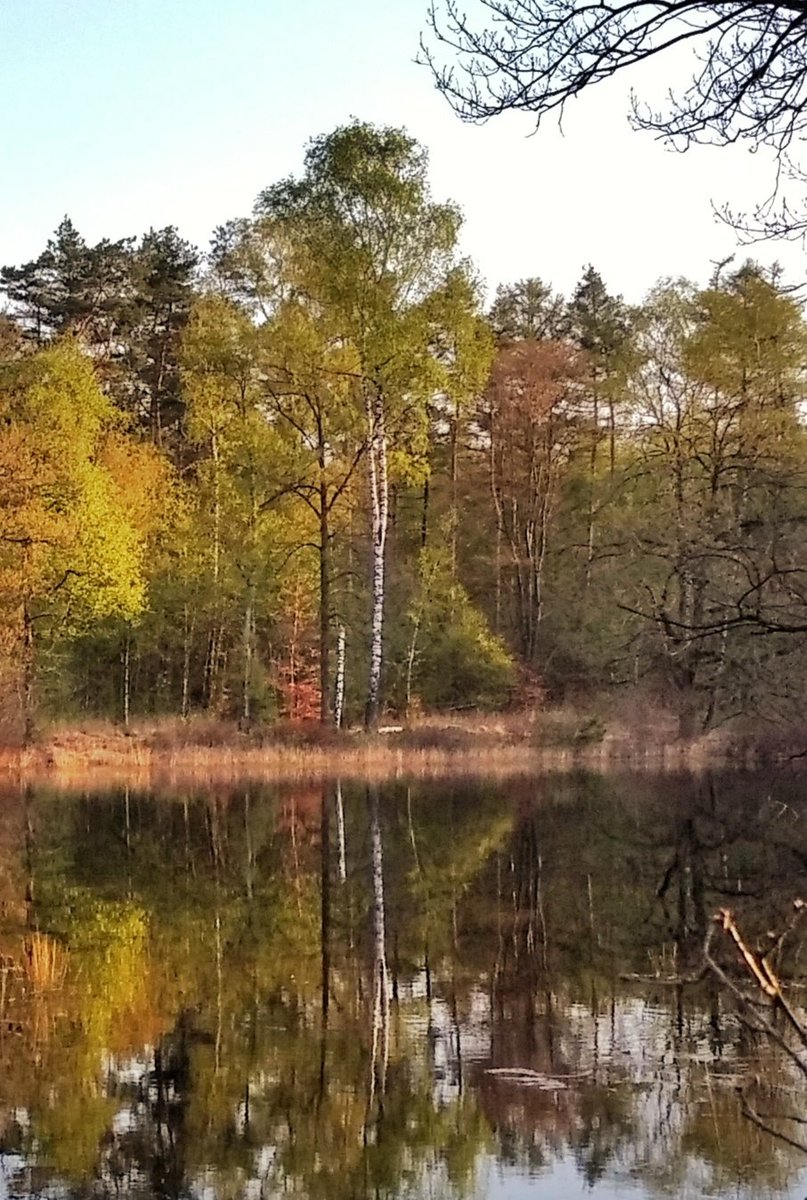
(748,64)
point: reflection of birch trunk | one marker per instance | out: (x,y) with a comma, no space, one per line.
(381,1004)
(296,857)
(455,1020)
(426,898)
(190,866)
(219,988)
(340,831)
(542,913)
(250,861)
(325,903)
(127,819)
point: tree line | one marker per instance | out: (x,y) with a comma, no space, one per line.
(307,475)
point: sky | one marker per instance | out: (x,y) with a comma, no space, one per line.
(131,114)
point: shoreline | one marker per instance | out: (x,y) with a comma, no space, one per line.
(198,753)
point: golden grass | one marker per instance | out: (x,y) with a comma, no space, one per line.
(44,962)
(203,751)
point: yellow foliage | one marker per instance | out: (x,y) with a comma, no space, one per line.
(71,540)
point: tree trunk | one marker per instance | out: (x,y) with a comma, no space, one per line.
(27,676)
(592,475)
(249,617)
(187,628)
(324,609)
(126,654)
(410,661)
(379,507)
(339,692)
(454,425)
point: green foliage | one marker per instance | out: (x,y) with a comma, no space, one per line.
(463,664)
(203,481)
(460,662)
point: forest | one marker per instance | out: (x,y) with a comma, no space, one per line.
(312,474)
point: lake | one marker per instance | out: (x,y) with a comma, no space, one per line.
(453,989)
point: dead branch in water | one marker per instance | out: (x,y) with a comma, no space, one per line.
(751,1009)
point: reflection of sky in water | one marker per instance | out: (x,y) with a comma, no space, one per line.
(635,1046)
(563,1182)
(663,1065)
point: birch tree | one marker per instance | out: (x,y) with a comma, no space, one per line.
(360,240)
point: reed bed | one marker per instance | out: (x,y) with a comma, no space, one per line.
(44,963)
(196,752)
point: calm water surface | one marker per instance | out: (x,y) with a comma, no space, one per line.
(429,991)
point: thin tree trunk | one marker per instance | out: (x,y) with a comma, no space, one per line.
(127,677)
(502,530)
(425,585)
(611,436)
(214,450)
(293,662)
(214,652)
(339,694)
(27,676)
(455,425)
(379,504)
(410,661)
(591,478)
(248,654)
(186,662)
(324,608)
(498,574)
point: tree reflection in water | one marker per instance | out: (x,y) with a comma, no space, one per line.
(343,992)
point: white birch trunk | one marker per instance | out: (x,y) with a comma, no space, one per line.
(339,692)
(381,994)
(340,832)
(379,507)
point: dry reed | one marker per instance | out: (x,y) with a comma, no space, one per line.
(44,962)
(204,751)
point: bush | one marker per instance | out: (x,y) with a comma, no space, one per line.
(461,662)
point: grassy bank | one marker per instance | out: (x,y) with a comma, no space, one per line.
(204,750)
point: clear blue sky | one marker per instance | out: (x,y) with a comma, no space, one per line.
(132,113)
